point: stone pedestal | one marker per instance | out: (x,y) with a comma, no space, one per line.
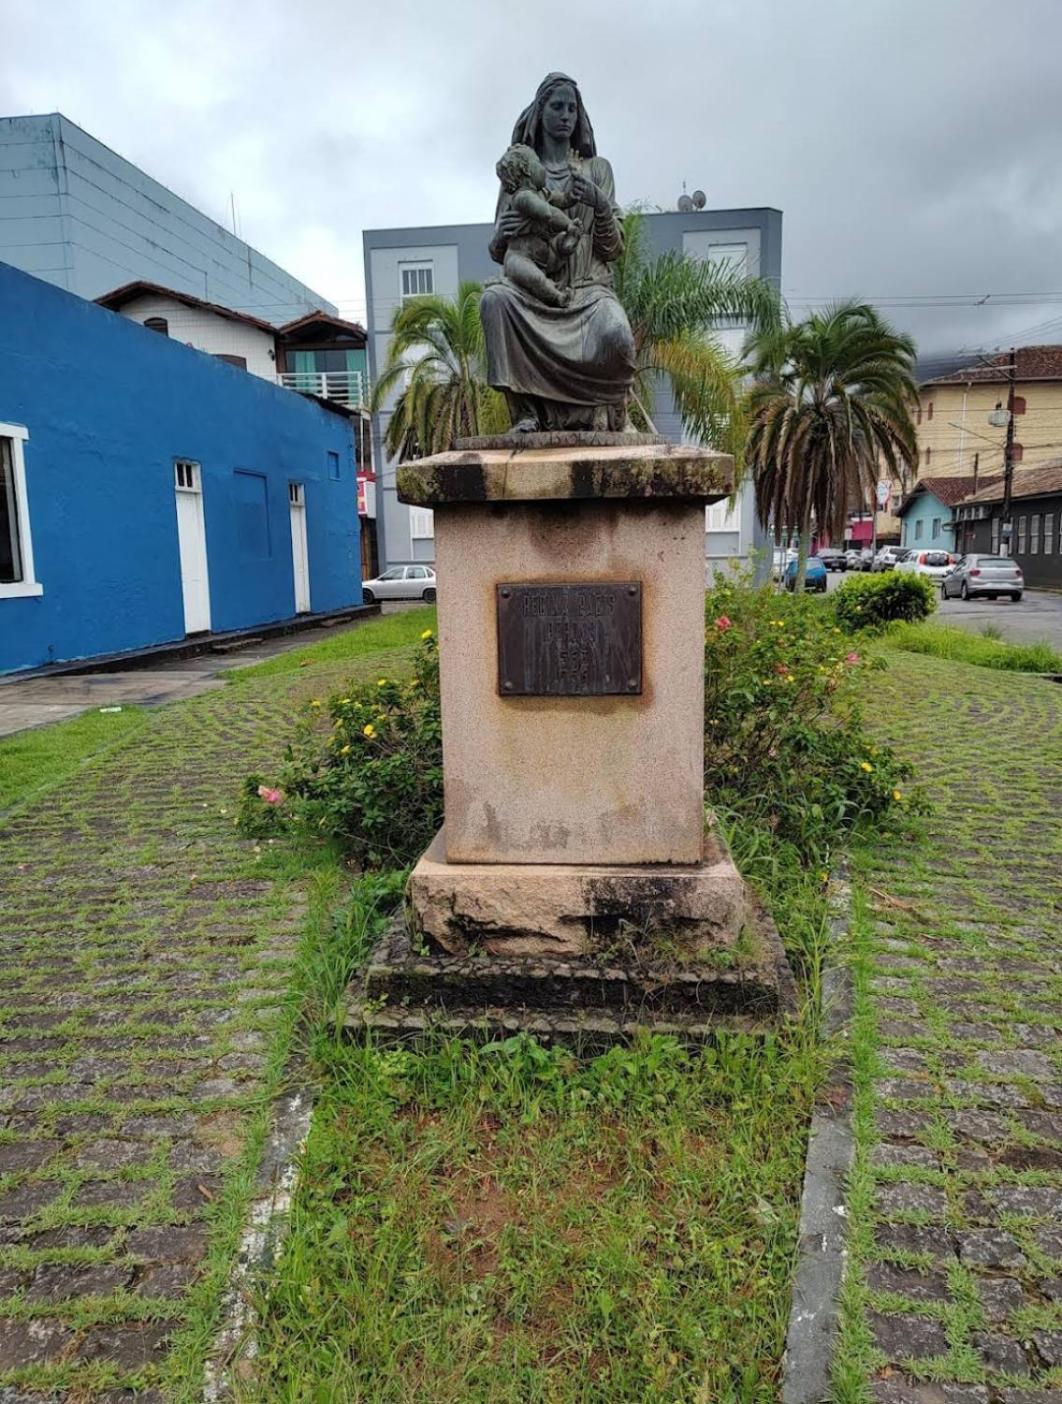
(571,639)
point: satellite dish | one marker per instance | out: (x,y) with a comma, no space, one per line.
(700,199)
(685,204)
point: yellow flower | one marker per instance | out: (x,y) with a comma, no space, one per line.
(824,876)
(897,795)
(344,750)
(370,731)
(790,678)
(865,765)
(381,682)
(427,634)
(343,701)
(315,701)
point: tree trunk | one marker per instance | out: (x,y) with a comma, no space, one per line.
(803,546)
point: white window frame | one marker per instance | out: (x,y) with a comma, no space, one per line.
(421,524)
(411,266)
(29,586)
(188,476)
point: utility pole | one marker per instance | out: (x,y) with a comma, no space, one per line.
(1008,451)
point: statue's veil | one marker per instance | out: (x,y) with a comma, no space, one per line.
(528,125)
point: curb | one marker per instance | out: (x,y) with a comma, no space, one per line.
(234,1346)
(821,1253)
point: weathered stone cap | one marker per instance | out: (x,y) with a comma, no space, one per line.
(634,471)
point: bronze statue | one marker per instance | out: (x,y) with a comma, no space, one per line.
(564,362)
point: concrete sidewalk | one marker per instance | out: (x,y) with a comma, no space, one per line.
(39,701)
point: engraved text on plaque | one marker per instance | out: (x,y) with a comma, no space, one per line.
(574,640)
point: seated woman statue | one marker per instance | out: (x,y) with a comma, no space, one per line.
(565,364)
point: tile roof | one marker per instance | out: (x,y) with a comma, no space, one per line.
(948,490)
(323,319)
(1033,363)
(118,297)
(1028,482)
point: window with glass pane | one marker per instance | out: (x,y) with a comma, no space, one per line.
(10,545)
(1034,535)
(418,279)
(1023,525)
(1049,533)
(995,535)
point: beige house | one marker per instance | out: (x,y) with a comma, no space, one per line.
(954,424)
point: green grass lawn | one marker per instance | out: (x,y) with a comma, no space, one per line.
(961,646)
(378,636)
(510,1223)
(32,761)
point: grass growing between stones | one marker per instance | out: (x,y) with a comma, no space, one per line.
(33,761)
(955,1199)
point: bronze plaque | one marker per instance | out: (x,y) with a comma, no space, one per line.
(577,640)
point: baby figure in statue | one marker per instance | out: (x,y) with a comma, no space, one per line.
(542,250)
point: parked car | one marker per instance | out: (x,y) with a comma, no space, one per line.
(859,558)
(983,575)
(401,582)
(832,557)
(934,564)
(814,579)
(888,557)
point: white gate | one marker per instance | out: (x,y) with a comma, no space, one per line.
(191,537)
(300,559)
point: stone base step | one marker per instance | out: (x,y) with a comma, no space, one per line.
(404,993)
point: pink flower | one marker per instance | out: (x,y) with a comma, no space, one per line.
(723,624)
(852,658)
(270,795)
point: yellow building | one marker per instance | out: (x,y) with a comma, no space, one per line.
(954,427)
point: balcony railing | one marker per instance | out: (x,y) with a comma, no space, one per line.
(345,387)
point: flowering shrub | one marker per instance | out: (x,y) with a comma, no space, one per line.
(784,740)
(364,769)
(871,601)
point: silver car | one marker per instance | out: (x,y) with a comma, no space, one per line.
(983,575)
(401,582)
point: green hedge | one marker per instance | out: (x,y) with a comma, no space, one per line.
(872,601)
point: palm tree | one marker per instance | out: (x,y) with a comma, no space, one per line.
(830,406)
(675,303)
(437,347)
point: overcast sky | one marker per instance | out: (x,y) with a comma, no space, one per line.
(914,146)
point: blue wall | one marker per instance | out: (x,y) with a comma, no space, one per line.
(109,406)
(75,213)
(927,509)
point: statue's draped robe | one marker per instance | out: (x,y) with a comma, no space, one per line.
(582,354)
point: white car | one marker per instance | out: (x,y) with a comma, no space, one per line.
(888,557)
(401,582)
(935,564)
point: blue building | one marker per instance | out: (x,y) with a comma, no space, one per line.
(149,491)
(76,214)
(926,515)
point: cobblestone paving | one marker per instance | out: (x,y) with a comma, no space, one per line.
(958,1198)
(144,964)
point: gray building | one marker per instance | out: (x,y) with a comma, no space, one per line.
(403,263)
(77,215)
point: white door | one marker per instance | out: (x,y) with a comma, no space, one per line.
(300,559)
(191,537)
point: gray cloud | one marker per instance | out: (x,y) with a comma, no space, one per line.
(913,145)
